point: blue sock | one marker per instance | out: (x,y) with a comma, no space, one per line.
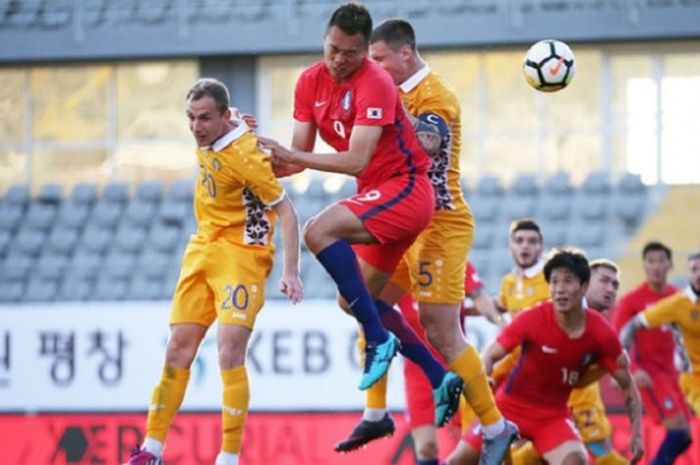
(427,462)
(674,444)
(341,263)
(411,346)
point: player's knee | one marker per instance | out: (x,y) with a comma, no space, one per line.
(427,450)
(575,458)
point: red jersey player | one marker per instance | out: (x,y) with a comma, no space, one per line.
(560,340)
(356,109)
(652,354)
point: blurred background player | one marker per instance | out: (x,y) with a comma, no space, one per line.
(682,309)
(563,340)
(355,108)
(224,268)
(652,352)
(433,268)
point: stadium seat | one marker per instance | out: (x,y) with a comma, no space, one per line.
(108,288)
(525,185)
(24,14)
(128,239)
(559,184)
(483,238)
(589,235)
(40,290)
(555,209)
(316,190)
(84,193)
(51,193)
(72,215)
(554,235)
(597,182)
(16,267)
(96,239)
(17,195)
(631,184)
(10,216)
(40,215)
(519,207)
(85,263)
(490,186)
(145,288)
(347,189)
(155,264)
(115,192)
(118,265)
(11,291)
(485,210)
(630,210)
(29,242)
(139,213)
(464,184)
(51,266)
(106,214)
(61,241)
(182,191)
(594,208)
(149,191)
(163,238)
(75,286)
(5,239)
(174,212)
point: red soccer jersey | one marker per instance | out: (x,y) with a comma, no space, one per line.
(653,349)
(472,280)
(551,362)
(368,98)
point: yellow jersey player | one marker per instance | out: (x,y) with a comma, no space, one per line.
(585,403)
(433,268)
(237,199)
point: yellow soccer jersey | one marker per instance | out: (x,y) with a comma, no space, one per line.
(589,413)
(683,310)
(235,190)
(427,96)
(521,290)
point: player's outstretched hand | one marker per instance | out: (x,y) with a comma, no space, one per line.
(250,120)
(278,153)
(291,287)
(636,448)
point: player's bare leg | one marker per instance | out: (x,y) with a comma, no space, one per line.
(442,328)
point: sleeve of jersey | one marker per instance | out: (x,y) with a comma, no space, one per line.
(472,282)
(303,99)
(376,101)
(663,312)
(516,332)
(255,170)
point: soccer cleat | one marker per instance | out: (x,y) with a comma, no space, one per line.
(143,457)
(366,431)
(377,360)
(495,449)
(446,397)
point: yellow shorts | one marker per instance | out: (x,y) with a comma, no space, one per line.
(588,412)
(433,269)
(690,385)
(221,279)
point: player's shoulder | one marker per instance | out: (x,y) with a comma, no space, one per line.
(313,72)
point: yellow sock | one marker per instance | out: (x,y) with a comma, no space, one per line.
(613,458)
(235,408)
(165,401)
(466,414)
(476,387)
(376,394)
(525,455)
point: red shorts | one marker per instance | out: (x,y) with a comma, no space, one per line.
(546,430)
(664,398)
(394,212)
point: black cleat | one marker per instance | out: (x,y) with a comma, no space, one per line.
(365,432)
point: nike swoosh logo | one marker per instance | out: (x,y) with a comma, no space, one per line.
(555,69)
(320,103)
(549,350)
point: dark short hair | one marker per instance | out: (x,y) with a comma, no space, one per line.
(352,18)
(570,258)
(655,246)
(214,89)
(603,263)
(525,224)
(395,32)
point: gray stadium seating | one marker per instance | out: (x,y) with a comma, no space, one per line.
(29,242)
(11,291)
(129,239)
(115,192)
(84,193)
(181,191)
(139,213)
(5,238)
(96,239)
(41,290)
(109,288)
(559,184)
(149,191)
(489,186)
(72,214)
(76,285)
(17,195)
(51,267)
(107,214)
(597,182)
(10,216)
(51,193)
(61,241)
(40,215)
(143,287)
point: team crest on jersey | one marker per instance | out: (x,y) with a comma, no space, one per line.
(588,358)
(216,164)
(346,102)
(374,113)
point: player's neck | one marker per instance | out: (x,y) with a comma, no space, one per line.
(572,322)
(657,287)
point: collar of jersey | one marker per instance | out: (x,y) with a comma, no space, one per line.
(223,142)
(532,271)
(409,84)
(690,294)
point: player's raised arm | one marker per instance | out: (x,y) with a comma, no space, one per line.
(629,330)
(491,355)
(290,283)
(633,404)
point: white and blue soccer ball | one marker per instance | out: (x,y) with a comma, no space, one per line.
(549,65)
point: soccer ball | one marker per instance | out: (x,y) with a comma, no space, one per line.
(549,65)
